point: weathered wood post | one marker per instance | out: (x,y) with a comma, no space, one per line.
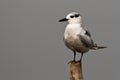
(76,70)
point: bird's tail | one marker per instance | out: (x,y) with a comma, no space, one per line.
(95,47)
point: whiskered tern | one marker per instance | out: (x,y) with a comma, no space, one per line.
(76,38)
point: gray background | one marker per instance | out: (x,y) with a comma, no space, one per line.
(31,39)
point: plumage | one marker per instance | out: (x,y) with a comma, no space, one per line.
(75,37)
(86,39)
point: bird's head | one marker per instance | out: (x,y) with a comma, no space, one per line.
(72,17)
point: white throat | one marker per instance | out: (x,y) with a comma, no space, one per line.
(73,29)
(74,26)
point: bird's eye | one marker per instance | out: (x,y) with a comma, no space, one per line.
(72,16)
(77,15)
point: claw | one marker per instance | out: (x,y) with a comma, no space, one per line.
(72,61)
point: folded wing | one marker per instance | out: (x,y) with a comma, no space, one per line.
(86,39)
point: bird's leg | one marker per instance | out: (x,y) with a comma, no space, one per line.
(74,56)
(81,57)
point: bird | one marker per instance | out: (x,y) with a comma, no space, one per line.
(76,38)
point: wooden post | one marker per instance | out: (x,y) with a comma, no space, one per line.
(76,70)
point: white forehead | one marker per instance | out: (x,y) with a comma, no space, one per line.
(71,14)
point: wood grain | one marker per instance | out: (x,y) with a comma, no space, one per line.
(76,70)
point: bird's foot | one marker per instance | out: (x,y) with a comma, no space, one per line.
(72,61)
(80,61)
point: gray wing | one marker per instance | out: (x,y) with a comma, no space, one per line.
(86,39)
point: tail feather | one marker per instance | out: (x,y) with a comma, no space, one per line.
(95,47)
(98,47)
(101,47)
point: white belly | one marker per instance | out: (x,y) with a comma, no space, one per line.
(73,41)
(75,44)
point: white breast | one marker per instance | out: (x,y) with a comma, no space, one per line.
(72,39)
(72,30)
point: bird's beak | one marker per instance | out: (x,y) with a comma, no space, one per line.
(62,20)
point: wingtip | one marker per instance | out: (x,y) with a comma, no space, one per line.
(98,47)
(101,47)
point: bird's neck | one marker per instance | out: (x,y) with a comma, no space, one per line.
(74,27)
(74,22)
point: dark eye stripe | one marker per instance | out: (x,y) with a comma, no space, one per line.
(77,15)
(72,16)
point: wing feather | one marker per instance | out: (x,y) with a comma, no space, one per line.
(86,39)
